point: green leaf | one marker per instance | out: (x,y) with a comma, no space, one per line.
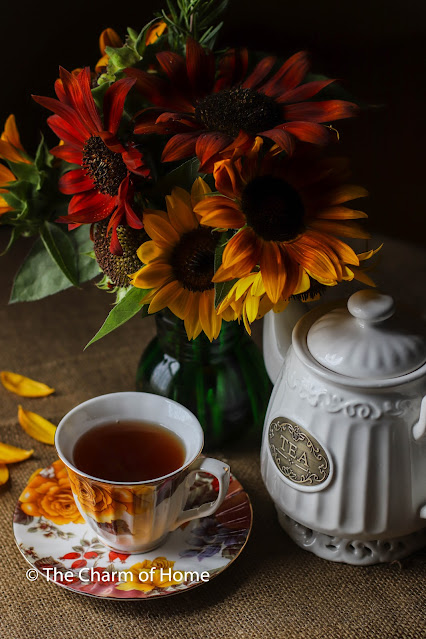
(21,190)
(60,248)
(98,94)
(121,58)
(43,159)
(12,200)
(129,306)
(88,267)
(140,41)
(23,171)
(16,232)
(183,176)
(133,35)
(38,276)
(221,289)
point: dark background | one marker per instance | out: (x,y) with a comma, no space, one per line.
(376,48)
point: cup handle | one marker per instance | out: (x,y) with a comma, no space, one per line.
(220,470)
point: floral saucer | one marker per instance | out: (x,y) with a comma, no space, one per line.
(60,546)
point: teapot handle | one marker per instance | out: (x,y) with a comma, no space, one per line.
(277,331)
(419,428)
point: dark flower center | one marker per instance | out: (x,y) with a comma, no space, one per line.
(273,208)
(118,267)
(193,259)
(105,167)
(231,110)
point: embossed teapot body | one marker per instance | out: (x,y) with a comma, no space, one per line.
(344,443)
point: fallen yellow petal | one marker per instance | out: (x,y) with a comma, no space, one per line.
(36,426)
(24,386)
(11,454)
(4,474)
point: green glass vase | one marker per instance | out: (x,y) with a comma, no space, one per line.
(223,382)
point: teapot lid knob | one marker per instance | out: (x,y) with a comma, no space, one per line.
(371,306)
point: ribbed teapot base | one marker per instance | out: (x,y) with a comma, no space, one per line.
(351,551)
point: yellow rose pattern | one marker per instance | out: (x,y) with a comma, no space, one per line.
(51,497)
(105,503)
(147,575)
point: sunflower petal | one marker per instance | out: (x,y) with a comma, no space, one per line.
(199,190)
(281,138)
(345,193)
(180,305)
(11,134)
(260,72)
(342,229)
(164,296)
(289,75)
(4,474)
(160,230)
(37,426)
(207,148)
(24,386)
(6,176)
(362,276)
(180,146)
(12,454)
(114,103)
(148,251)
(224,218)
(227,177)
(314,260)
(243,245)
(273,273)
(311,132)
(326,111)
(153,275)
(368,254)
(179,208)
(340,213)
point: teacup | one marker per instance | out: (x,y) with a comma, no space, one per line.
(137,517)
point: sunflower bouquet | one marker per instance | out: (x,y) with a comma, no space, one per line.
(185,177)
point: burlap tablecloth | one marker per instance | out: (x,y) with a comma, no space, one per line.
(272,589)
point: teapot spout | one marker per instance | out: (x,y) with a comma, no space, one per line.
(419,428)
(277,331)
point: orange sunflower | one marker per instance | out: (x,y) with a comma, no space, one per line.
(179,263)
(10,143)
(108,38)
(247,299)
(6,177)
(288,212)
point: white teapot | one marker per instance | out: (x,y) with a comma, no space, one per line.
(344,441)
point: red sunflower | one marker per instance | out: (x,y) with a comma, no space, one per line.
(104,186)
(211,114)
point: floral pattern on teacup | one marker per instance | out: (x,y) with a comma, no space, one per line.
(71,556)
(48,494)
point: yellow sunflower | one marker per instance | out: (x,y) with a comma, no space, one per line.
(179,263)
(287,213)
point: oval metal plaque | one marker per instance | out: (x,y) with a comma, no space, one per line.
(297,454)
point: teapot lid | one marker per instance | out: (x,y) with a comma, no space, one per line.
(366,339)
